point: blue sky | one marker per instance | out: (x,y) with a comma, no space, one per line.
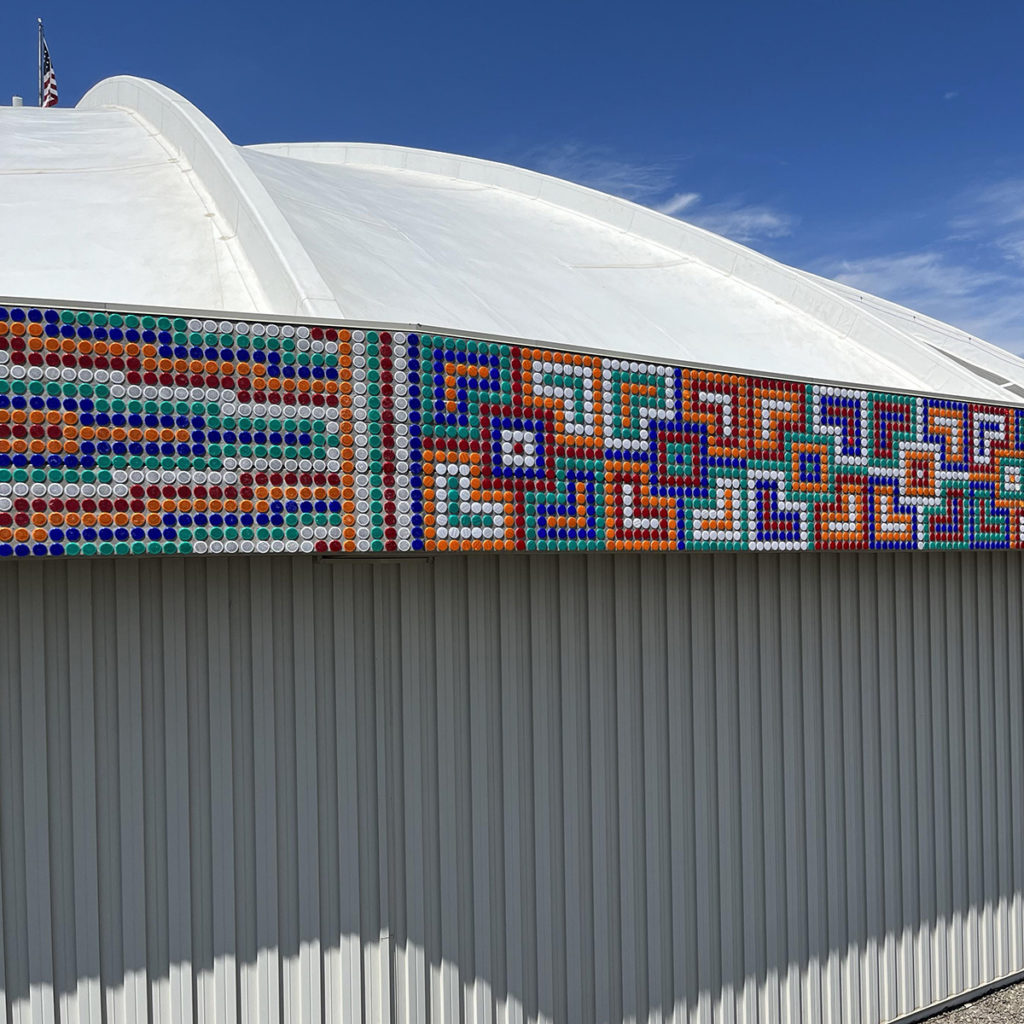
(880,143)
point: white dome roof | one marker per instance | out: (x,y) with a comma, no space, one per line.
(135,198)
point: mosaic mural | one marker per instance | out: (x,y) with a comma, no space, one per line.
(128,433)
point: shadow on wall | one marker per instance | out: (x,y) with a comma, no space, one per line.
(572,788)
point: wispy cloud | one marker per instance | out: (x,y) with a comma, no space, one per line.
(950,95)
(993,215)
(679,202)
(658,185)
(969,274)
(983,300)
(928,276)
(600,168)
(743,222)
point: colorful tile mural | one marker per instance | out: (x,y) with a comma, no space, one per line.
(134,433)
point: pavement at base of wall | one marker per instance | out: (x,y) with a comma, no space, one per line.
(1003,1007)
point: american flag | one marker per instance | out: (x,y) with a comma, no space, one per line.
(49,98)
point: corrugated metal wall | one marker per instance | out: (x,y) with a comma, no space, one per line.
(513,788)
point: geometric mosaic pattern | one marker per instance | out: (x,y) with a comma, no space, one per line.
(133,433)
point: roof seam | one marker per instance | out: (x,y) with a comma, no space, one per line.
(280,263)
(229,237)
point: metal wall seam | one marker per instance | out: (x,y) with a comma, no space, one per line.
(348,998)
(267,770)
(222,1001)
(1015,719)
(4,920)
(35,781)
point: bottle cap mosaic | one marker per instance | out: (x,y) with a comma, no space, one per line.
(135,433)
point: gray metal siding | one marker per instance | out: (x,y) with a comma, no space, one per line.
(509,788)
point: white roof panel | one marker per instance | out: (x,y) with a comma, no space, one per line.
(402,245)
(103,211)
(135,198)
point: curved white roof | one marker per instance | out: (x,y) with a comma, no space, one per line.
(135,198)
(94,205)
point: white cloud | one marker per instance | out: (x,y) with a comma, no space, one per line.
(979,205)
(679,202)
(599,168)
(993,215)
(984,301)
(971,273)
(926,275)
(743,222)
(1012,248)
(656,185)
(951,94)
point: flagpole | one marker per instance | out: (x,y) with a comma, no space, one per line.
(40,60)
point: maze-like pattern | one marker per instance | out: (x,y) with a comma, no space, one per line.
(130,433)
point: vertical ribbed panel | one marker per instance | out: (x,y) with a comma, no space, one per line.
(500,789)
